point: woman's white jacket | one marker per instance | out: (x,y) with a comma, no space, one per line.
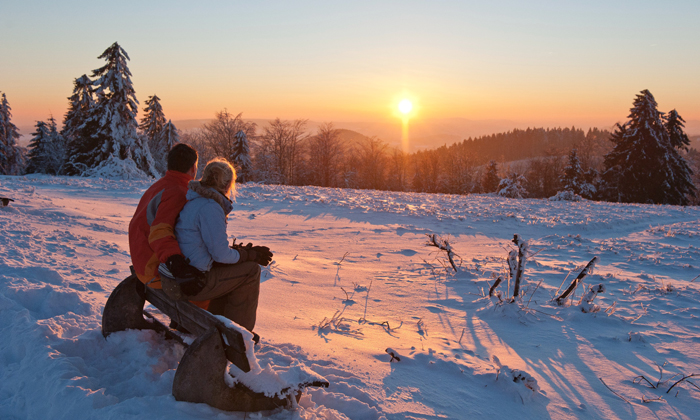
(201,228)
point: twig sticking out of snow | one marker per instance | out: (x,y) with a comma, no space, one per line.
(685,379)
(587,299)
(517,268)
(337,272)
(612,308)
(495,285)
(533,293)
(586,270)
(623,398)
(444,245)
(394,355)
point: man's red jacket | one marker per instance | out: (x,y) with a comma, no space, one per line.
(151,231)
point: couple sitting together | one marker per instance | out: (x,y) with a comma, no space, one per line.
(178,240)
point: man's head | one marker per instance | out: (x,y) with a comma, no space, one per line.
(182,158)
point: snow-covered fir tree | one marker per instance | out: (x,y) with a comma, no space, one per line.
(241,157)
(81,102)
(513,186)
(153,120)
(491,180)
(573,173)
(11,159)
(47,149)
(644,167)
(109,143)
(168,137)
(674,124)
(576,180)
(152,125)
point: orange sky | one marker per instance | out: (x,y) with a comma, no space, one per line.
(544,63)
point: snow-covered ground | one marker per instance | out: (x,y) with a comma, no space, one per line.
(351,277)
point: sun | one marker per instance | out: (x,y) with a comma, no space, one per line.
(405,106)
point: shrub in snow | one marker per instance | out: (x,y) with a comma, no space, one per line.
(524,384)
(567,195)
(587,304)
(513,186)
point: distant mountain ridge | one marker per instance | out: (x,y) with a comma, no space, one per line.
(423,135)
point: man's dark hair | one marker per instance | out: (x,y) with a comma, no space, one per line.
(181,158)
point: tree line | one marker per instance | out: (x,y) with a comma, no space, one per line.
(645,159)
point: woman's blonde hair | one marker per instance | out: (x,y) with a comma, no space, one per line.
(220,175)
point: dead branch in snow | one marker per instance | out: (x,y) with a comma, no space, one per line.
(495,285)
(611,390)
(339,263)
(685,378)
(443,245)
(570,290)
(612,308)
(638,380)
(533,293)
(644,312)
(520,267)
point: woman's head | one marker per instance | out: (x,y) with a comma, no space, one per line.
(220,175)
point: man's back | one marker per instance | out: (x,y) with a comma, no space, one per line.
(151,231)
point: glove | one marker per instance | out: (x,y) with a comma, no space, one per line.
(258,254)
(190,279)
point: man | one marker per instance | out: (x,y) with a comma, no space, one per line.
(151,231)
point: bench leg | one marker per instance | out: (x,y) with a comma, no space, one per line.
(200,379)
(124,308)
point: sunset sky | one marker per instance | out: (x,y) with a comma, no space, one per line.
(540,62)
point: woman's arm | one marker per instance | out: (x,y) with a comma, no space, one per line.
(212,222)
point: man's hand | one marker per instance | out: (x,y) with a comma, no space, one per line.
(190,279)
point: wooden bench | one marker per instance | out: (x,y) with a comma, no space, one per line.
(200,375)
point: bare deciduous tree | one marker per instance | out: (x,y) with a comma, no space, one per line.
(326,150)
(281,146)
(372,157)
(221,133)
(198,140)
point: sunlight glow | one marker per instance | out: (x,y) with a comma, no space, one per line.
(405,106)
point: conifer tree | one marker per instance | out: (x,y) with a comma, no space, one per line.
(37,148)
(491,180)
(168,137)
(47,149)
(11,159)
(241,157)
(81,102)
(644,167)
(153,122)
(109,133)
(573,174)
(513,186)
(674,124)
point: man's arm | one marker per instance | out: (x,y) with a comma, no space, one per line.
(162,234)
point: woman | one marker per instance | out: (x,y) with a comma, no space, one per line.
(231,275)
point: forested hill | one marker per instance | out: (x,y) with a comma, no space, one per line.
(532,142)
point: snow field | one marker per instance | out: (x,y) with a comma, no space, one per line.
(63,248)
